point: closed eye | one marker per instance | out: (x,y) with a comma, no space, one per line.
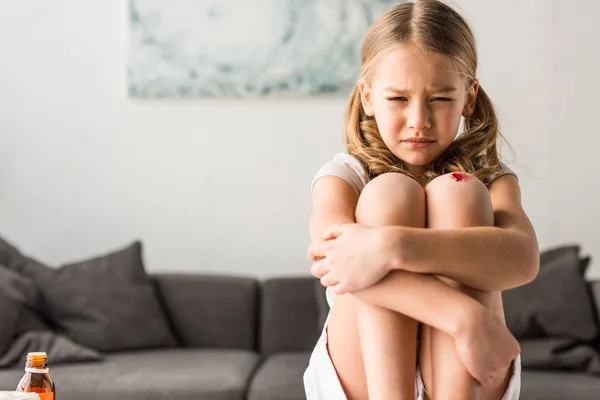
(442,99)
(397,99)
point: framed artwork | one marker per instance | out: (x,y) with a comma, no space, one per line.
(247,48)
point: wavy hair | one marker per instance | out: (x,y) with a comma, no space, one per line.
(433,27)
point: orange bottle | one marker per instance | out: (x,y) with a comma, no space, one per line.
(36,378)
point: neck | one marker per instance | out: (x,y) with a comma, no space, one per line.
(417,170)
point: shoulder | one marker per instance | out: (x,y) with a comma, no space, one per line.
(504,188)
(504,170)
(346,167)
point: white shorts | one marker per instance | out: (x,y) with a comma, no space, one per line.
(321,381)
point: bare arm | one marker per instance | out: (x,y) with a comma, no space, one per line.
(334,202)
(507,254)
(420,296)
(424,298)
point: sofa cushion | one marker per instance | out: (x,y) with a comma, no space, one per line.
(557,303)
(542,385)
(107,302)
(174,374)
(211,311)
(289,315)
(280,378)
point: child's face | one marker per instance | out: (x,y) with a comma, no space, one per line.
(416,97)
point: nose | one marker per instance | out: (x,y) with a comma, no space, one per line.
(419,116)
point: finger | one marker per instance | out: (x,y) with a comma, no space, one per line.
(340,288)
(309,253)
(328,280)
(317,250)
(328,235)
(319,269)
(334,231)
(313,257)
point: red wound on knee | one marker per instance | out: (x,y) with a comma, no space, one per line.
(460,176)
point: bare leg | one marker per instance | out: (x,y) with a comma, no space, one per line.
(373,348)
(387,338)
(455,204)
(422,297)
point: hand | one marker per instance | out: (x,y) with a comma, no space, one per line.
(486,347)
(351,257)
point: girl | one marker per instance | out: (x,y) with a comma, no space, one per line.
(406,170)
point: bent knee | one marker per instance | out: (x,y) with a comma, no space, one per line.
(455,182)
(391,198)
(458,190)
(392,184)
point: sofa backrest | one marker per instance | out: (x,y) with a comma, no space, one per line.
(293,309)
(271,316)
(211,311)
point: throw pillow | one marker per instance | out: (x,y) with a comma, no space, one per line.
(18,287)
(16,292)
(23,331)
(22,288)
(594,287)
(59,348)
(559,354)
(9,314)
(556,303)
(10,256)
(584,263)
(107,303)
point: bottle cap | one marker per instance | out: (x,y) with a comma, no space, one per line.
(37,355)
(36,363)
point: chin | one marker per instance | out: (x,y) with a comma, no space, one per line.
(416,160)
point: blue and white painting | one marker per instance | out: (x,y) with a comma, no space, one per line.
(247,48)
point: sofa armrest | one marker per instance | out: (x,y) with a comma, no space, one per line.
(211,311)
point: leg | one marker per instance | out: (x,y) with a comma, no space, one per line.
(454,204)
(373,348)
(387,338)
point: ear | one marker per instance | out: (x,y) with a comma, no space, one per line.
(365,98)
(469,107)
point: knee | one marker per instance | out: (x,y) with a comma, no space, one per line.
(391,198)
(458,190)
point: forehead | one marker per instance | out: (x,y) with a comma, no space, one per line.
(408,69)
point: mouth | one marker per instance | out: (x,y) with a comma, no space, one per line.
(418,143)
(418,140)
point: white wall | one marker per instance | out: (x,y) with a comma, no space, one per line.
(539,61)
(223,186)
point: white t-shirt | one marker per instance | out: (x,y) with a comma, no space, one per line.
(347,167)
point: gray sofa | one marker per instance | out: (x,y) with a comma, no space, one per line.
(240,338)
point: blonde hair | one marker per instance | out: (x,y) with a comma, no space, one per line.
(433,27)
